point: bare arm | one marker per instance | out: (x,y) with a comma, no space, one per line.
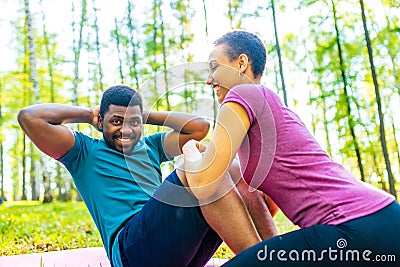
(184,128)
(44,125)
(204,175)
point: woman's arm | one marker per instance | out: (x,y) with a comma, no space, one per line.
(204,175)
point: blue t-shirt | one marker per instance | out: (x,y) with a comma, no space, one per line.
(113,185)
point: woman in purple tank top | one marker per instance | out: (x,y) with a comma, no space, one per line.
(343,221)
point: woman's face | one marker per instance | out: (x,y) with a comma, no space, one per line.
(224,74)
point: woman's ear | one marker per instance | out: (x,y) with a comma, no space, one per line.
(243,62)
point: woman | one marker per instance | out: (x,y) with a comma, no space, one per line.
(343,221)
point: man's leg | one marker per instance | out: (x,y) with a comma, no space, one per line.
(235,218)
(255,203)
(169,231)
(209,245)
(258,210)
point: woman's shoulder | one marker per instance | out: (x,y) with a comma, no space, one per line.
(250,92)
(251,89)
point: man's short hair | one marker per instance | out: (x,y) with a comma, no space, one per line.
(120,95)
(243,42)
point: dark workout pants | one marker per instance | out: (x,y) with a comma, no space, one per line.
(169,231)
(373,240)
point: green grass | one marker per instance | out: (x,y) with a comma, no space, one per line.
(30,227)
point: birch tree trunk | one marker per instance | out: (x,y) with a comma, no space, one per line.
(48,196)
(33,76)
(116,36)
(132,31)
(77,47)
(99,67)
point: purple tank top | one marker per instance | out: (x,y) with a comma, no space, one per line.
(280,157)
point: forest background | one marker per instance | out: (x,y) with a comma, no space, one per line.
(334,62)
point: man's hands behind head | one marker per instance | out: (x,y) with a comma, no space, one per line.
(95,117)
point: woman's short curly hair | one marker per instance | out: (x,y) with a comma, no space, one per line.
(243,42)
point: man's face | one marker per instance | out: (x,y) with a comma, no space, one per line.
(122,127)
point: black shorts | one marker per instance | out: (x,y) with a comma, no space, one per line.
(165,233)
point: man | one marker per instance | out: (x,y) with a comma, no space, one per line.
(142,220)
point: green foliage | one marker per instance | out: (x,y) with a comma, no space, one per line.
(154,37)
(30,227)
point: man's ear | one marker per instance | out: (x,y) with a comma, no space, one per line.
(100,123)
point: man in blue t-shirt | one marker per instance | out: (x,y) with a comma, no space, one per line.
(142,220)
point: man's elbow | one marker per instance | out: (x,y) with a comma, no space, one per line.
(203,128)
(23,116)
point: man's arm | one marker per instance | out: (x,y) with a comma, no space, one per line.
(184,128)
(44,125)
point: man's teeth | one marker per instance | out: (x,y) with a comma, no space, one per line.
(124,139)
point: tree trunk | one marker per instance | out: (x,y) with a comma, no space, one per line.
(278,50)
(15,171)
(215,103)
(392,52)
(345,93)
(374,154)
(33,76)
(154,45)
(118,45)
(100,86)
(164,56)
(133,66)
(379,103)
(33,174)
(396,142)
(2,196)
(77,47)
(234,16)
(205,20)
(24,196)
(48,197)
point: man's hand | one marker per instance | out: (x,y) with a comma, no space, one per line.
(95,119)
(184,128)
